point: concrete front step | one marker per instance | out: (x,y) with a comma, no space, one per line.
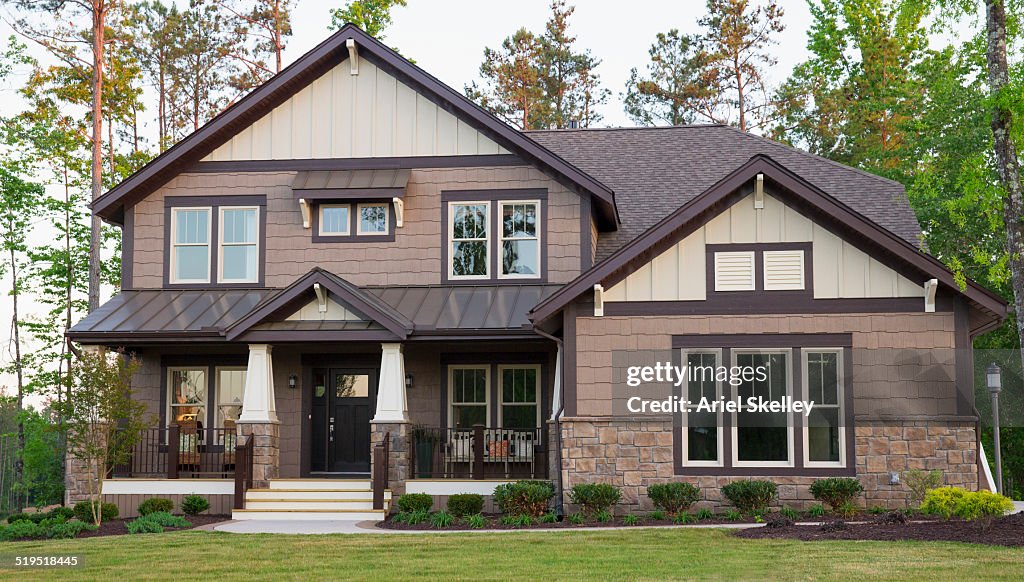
(311,514)
(333,494)
(323,484)
(306,504)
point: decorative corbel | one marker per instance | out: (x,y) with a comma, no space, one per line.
(321,297)
(399,212)
(304,209)
(598,300)
(353,55)
(930,286)
(759,192)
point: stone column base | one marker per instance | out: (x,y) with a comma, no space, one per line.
(266,450)
(398,464)
(76,480)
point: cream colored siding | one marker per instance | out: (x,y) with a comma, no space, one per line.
(341,115)
(335,312)
(840,270)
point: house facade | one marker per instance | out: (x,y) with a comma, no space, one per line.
(356,272)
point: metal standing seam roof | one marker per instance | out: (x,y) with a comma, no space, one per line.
(468,307)
(170,311)
(351,179)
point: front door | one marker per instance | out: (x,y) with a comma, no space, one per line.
(344,399)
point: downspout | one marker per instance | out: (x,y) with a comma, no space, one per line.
(559,510)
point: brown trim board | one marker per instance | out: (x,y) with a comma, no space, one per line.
(381,163)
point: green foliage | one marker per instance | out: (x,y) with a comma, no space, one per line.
(143,526)
(69,529)
(529,498)
(54,527)
(411,502)
(704,513)
(165,519)
(789,513)
(33,517)
(463,504)
(549,517)
(631,520)
(372,16)
(603,516)
(969,505)
(921,482)
(442,519)
(673,497)
(816,510)
(416,516)
(520,520)
(154,504)
(87,510)
(733,515)
(877,510)
(657,515)
(22,530)
(577,518)
(750,495)
(847,509)
(194,504)
(62,512)
(594,497)
(476,521)
(682,518)
(836,491)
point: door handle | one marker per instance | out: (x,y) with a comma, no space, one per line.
(330,430)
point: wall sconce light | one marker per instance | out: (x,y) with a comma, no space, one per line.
(293,381)
(408,381)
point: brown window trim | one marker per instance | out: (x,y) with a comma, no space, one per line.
(495,196)
(215,203)
(715,297)
(353,222)
(797,343)
(210,364)
(492,361)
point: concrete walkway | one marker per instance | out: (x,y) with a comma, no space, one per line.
(324,526)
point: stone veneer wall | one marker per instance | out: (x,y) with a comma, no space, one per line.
(398,466)
(266,452)
(634,454)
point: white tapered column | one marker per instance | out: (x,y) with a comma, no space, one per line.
(258,405)
(391,400)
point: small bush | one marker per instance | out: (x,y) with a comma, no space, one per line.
(969,505)
(520,520)
(631,520)
(816,510)
(549,517)
(848,510)
(594,498)
(577,519)
(411,502)
(442,519)
(69,529)
(418,516)
(705,513)
(62,512)
(921,482)
(750,495)
(144,526)
(943,501)
(657,515)
(682,518)
(836,491)
(603,516)
(876,510)
(528,498)
(463,504)
(33,517)
(789,513)
(83,511)
(733,515)
(155,504)
(22,529)
(167,520)
(194,504)
(476,521)
(673,497)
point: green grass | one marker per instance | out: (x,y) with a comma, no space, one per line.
(636,554)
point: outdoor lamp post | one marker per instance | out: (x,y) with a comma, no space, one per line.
(995,384)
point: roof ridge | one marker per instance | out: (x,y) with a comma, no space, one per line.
(626,128)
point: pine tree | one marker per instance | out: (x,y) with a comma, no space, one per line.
(372,16)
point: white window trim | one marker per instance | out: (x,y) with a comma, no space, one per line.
(171,405)
(451,241)
(789,421)
(451,391)
(221,244)
(685,353)
(499,252)
(501,392)
(217,421)
(359,219)
(172,276)
(840,395)
(320,220)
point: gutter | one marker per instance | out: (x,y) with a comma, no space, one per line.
(559,509)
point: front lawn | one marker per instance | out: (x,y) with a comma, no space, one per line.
(637,554)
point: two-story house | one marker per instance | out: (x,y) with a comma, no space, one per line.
(355,270)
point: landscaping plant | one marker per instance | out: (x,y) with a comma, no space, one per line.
(816,510)
(87,511)
(194,504)
(920,483)
(673,497)
(549,517)
(657,515)
(155,504)
(750,495)
(630,520)
(593,498)
(463,504)
(476,521)
(788,513)
(143,526)
(528,498)
(418,516)
(412,502)
(576,518)
(518,520)
(969,505)
(165,519)
(836,491)
(682,518)
(442,519)
(603,516)
(705,513)
(733,515)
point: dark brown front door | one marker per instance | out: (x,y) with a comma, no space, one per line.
(343,402)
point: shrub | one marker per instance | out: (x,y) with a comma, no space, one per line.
(848,510)
(411,502)
(194,504)
(33,517)
(21,530)
(476,521)
(733,515)
(816,510)
(144,526)
(631,520)
(750,495)
(836,491)
(83,511)
(442,519)
(576,519)
(673,497)
(167,520)
(155,504)
(594,498)
(463,504)
(943,501)
(603,516)
(788,513)
(682,518)
(549,517)
(969,505)
(876,510)
(62,512)
(705,513)
(524,497)
(418,516)
(657,515)
(921,482)
(69,529)
(520,520)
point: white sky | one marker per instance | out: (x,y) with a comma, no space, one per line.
(447,39)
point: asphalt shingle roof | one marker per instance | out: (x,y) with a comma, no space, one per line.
(654,171)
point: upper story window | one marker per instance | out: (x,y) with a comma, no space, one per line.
(334,219)
(190,252)
(353,222)
(520,239)
(494,235)
(373,219)
(239,246)
(214,240)
(470,240)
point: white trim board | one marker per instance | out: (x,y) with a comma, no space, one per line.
(168,486)
(453,486)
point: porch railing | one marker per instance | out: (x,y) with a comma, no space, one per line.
(243,470)
(478,453)
(173,452)
(381,464)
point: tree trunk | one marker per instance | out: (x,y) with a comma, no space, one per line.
(1006,155)
(277,33)
(740,100)
(95,234)
(19,462)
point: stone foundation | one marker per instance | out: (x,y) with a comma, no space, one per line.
(634,454)
(398,463)
(266,451)
(76,480)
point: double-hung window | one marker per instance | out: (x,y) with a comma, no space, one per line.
(824,439)
(239,246)
(469,396)
(188,390)
(230,391)
(702,429)
(763,438)
(470,239)
(514,250)
(190,245)
(520,392)
(520,239)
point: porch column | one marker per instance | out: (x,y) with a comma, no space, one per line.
(392,416)
(258,420)
(556,392)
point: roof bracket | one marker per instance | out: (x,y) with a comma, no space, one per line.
(930,287)
(321,297)
(759,192)
(304,209)
(353,55)
(399,211)
(598,300)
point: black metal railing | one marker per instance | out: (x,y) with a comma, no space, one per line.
(478,453)
(175,452)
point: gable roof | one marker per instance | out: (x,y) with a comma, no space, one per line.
(292,297)
(655,170)
(304,71)
(728,190)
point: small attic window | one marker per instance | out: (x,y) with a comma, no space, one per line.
(783,270)
(734,271)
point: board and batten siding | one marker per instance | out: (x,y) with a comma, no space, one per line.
(341,115)
(840,269)
(413,258)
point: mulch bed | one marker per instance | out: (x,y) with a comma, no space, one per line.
(1004,531)
(117,527)
(493,522)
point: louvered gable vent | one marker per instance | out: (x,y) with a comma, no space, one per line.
(734,271)
(783,270)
